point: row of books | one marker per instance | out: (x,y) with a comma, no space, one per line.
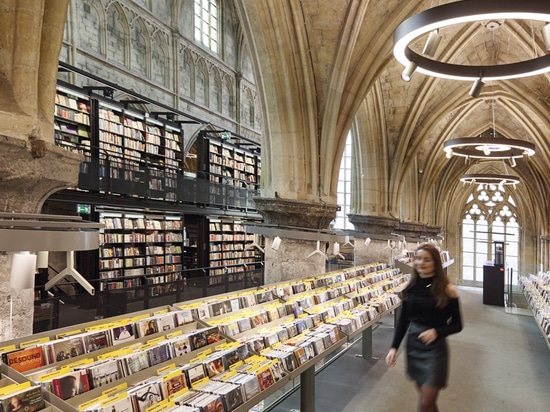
(139,223)
(177,387)
(34,354)
(537,292)
(87,374)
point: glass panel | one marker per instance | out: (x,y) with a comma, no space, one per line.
(468,259)
(467,273)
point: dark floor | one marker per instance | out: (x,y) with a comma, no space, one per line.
(500,362)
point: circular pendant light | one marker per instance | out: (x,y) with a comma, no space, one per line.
(431,20)
(493,148)
(489,179)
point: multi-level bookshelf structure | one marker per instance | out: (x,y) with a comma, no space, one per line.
(132,154)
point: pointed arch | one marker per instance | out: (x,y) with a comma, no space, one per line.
(118,33)
(160,65)
(140,48)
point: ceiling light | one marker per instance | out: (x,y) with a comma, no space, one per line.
(488,148)
(488,179)
(432,43)
(467,12)
(408,72)
(546,36)
(476,88)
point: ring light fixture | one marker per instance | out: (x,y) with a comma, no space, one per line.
(489,179)
(431,20)
(493,148)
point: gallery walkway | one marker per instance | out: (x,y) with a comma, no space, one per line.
(500,362)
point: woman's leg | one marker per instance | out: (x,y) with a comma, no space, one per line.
(428,398)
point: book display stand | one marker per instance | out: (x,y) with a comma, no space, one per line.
(537,293)
(234,349)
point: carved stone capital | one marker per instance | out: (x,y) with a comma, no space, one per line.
(31,171)
(411,230)
(295,213)
(379,225)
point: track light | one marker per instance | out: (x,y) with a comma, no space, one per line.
(432,43)
(546,36)
(476,88)
(276,243)
(408,72)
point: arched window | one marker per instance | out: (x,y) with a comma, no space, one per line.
(207,20)
(490,216)
(344,188)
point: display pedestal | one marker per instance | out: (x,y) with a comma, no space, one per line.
(493,285)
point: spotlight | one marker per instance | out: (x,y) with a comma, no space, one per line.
(432,43)
(512,162)
(546,36)
(408,72)
(276,243)
(367,241)
(476,88)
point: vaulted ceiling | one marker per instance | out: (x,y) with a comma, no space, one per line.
(346,46)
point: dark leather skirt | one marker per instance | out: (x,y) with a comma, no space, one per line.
(426,364)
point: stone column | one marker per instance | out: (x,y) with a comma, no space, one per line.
(379,230)
(293,258)
(31,167)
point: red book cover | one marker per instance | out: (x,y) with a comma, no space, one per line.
(26,359)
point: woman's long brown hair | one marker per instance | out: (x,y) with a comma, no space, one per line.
(440,279)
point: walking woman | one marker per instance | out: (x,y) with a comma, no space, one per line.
(430,312)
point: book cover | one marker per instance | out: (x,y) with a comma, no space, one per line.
(136,362)
(180,345)
(166,322)
(28,400)
(193,373)
(71,384)
(103,373)
(146,396)
(212,335)
(159,354)
(147,327)
(265,379)
(173,385)
(197,340)
(123,334)
(122,404)
(25,359)
(95,341)
(184,316)
(214,366)
(63,349)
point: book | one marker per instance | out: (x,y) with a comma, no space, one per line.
(123,334)
(145,395)
(159,354)
(265,379)
(147,327)
(172,384)
(70,385)
(27,399)
(193,373)
(180,345)
(103,373)
(25,359)
(63,349)
(95,341)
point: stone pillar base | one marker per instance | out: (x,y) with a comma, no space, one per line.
(290,261)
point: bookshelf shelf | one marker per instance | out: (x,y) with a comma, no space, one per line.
(139,248)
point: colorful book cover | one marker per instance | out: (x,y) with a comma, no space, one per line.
(25,359)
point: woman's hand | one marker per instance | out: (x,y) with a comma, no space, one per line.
(390,357)
(428,336)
